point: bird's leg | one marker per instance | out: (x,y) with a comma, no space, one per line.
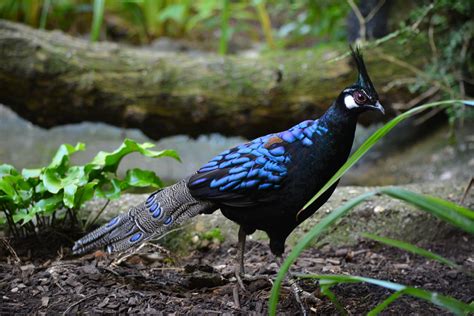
(239,267)
(298,292)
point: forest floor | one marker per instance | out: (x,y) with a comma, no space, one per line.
(42,277)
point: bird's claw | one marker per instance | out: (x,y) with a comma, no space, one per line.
(302,296)
(241,277)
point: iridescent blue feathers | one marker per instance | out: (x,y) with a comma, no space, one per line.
(242,175)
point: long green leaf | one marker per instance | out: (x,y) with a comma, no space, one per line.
(44,14)
(98,16)
(225,29)
(411,248)
(380,307)
(445,210)
(307,239)
(455,306)
(372,140)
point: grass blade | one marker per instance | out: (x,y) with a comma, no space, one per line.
(372,140)
(326,290)
(380,307)
(265,22)
(453,305)
(450,212)
(44,14)
(411,248)
(306,240)
(97,18)
(225,31)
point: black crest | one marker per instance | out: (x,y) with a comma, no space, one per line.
(363,78)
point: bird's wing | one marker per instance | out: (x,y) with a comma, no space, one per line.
(244,175)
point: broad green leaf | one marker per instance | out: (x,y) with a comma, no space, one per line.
(112,189)
(61,158)
(411,248)
(6,169)
(110,161)
(372,140)
(320,227)
(46,206)
(445,210)
(31,173)
(175,12)
(23,215)
(85,193)
(7,188)
(40,188)
(142,178)
(52,181)
(453,305)
(49,205)
(75,175)
(69,195)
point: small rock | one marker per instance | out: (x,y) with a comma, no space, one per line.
(90,269)
(331,268)
(27,267)
(113,305)
(333,261)
(379,209)
(341,252)
(14,290)
(452,274)
(446,175)
(71,281)
(44,301)
(103,303)
(132,301)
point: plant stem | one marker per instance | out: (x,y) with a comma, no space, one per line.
(266,23)
(11,225)
(97,18)
(44,14)
(89,223)
(225,33)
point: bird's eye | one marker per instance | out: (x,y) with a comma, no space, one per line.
(359,97)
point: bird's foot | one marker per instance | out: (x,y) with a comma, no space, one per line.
(302,296)
(243,278)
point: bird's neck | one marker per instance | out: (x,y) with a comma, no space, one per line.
(338,121)
(341,126)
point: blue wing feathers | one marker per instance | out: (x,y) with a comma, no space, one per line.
(242,176)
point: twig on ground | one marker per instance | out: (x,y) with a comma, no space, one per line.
(79,302)
(10,250)
(466,191)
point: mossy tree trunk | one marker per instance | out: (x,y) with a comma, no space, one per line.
(51,79)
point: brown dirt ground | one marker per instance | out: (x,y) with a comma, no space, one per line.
(44,278)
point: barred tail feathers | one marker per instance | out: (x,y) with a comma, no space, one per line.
(162,210)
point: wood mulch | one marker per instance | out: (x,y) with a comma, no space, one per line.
(44,278)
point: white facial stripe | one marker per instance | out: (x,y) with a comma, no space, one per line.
(349,102)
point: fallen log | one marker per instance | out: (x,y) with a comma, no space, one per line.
(51,78)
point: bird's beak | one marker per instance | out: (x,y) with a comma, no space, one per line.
(377,106)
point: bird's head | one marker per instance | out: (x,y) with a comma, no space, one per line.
(361,96)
